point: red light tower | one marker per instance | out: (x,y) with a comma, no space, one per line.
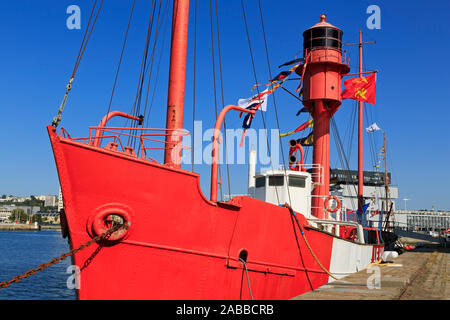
(322,72)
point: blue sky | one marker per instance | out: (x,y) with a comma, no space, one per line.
(39,52)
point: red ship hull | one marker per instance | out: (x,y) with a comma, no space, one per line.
(179,244)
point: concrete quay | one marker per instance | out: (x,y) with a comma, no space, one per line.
(420,274)
(50,227)
(19,227)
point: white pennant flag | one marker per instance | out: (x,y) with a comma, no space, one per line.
(245,103)
(373,127)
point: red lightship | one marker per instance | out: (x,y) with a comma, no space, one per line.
(181,245)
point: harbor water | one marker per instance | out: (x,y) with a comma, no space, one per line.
(24,250)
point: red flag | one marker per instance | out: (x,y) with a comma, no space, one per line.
(361,89)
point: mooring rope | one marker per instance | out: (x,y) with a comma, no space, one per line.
(302,232)
(248,278)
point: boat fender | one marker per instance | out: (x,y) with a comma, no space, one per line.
(389,255)
(326,203)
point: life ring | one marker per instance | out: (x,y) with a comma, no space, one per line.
(326,204)
(97,222)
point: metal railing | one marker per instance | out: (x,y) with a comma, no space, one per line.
(318,204)
(314,169)
(143,139)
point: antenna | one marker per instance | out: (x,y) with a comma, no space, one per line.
(405,199)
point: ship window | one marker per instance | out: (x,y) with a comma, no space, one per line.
(333,33)
(318,42)
(295,181)
(276,181)
(318,32)
(260,182)
(333,43)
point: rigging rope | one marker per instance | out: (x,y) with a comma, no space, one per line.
(371,139)
(121,56)
(57,119)
(157,31)
(159,63)
(343,158)
(214,83)
(352,134)
(223,102)
(274,102)
(257,88)
(137,102)
(152,59)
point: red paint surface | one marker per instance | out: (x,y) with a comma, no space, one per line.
(179,245)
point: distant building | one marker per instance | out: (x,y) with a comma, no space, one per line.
(422,220)
(344,184)
(30,210)
(49,200)
(5,212)
(60,200)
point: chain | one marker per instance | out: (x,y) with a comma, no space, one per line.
(43,266)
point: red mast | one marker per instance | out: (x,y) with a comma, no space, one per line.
(360,137)
(177,78)
(360,129)
(322,72)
